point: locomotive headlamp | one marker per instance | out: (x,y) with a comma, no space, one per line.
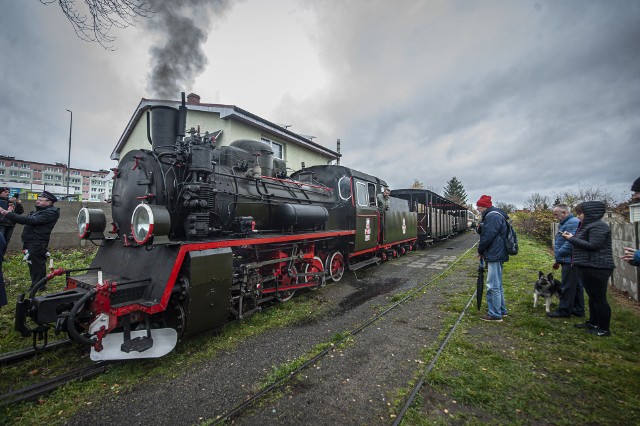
(149,221)
(91,223)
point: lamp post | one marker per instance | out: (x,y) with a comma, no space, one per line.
(69,157)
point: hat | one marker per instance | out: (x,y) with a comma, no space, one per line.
(484,201)
(49,196)
(636,185)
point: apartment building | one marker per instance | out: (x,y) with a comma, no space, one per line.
(29,178)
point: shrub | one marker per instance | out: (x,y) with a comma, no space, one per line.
(536,224)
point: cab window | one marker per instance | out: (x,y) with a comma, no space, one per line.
(344,187)
(373,201)
(362,193)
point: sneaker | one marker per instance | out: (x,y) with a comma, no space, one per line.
(599,332)
(587,325)
(490,318)
(556,314)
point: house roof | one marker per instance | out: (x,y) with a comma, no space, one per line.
(226,112)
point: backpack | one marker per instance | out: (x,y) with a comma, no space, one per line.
(511,238)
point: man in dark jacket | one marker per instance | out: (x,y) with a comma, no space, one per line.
(36,233)
(6,225)
(572,294)
(593,255)
(492,248)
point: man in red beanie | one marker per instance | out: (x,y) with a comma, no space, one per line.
(493,250)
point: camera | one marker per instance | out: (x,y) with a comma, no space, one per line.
(16,195)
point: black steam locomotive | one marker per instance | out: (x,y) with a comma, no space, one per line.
(202,233)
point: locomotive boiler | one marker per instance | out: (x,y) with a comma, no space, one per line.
(202,233)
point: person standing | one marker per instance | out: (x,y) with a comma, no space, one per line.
(493,250)
(36,233)
(3,291)
(632,255)
(572,297)
(593,255)
(6,225)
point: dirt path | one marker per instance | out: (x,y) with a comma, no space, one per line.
(352,385)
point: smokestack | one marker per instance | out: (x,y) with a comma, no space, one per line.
(338,151)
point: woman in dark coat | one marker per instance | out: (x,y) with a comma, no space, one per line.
(592,255)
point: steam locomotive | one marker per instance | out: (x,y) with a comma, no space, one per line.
(202,233)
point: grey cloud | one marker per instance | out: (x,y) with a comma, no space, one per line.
(557,84)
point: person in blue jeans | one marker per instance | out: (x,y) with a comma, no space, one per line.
(492,248)
(572,297)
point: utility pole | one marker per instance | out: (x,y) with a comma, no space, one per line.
(69,157)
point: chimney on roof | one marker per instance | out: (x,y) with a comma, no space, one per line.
(193,99)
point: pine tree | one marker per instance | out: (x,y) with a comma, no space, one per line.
(455,191)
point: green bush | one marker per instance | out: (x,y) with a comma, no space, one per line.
(536,224)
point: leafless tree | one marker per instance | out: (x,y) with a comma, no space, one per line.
(92,20)
(573,198)
(506,207)
(417,184)
(537,202)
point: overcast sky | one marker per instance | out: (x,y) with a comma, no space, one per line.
(511,97)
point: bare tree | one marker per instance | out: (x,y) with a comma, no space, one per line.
(537,202)
(573,198)
(417,184)
(92,20)
(506,207)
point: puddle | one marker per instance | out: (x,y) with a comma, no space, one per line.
(368,288)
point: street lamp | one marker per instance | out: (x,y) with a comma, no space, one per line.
(69,157)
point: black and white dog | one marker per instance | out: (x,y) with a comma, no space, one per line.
(546,287)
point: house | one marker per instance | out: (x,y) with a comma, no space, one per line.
(229,123)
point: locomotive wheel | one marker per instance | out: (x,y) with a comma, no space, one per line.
(314,267)
(174,316)
(335,266)
(287,280)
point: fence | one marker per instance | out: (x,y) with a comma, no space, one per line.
(65,234)
(625,277)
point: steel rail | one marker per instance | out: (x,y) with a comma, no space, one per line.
(432,364)
(32,392)
(249,401)
(21,354)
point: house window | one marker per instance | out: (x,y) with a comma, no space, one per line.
(1,172)
(25,166)
(278,148)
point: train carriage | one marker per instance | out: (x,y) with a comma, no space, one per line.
(437,217)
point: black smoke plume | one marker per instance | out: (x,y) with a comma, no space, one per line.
(182,28)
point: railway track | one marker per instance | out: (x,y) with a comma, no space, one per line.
(235,411)
(22,354)
(32,392)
